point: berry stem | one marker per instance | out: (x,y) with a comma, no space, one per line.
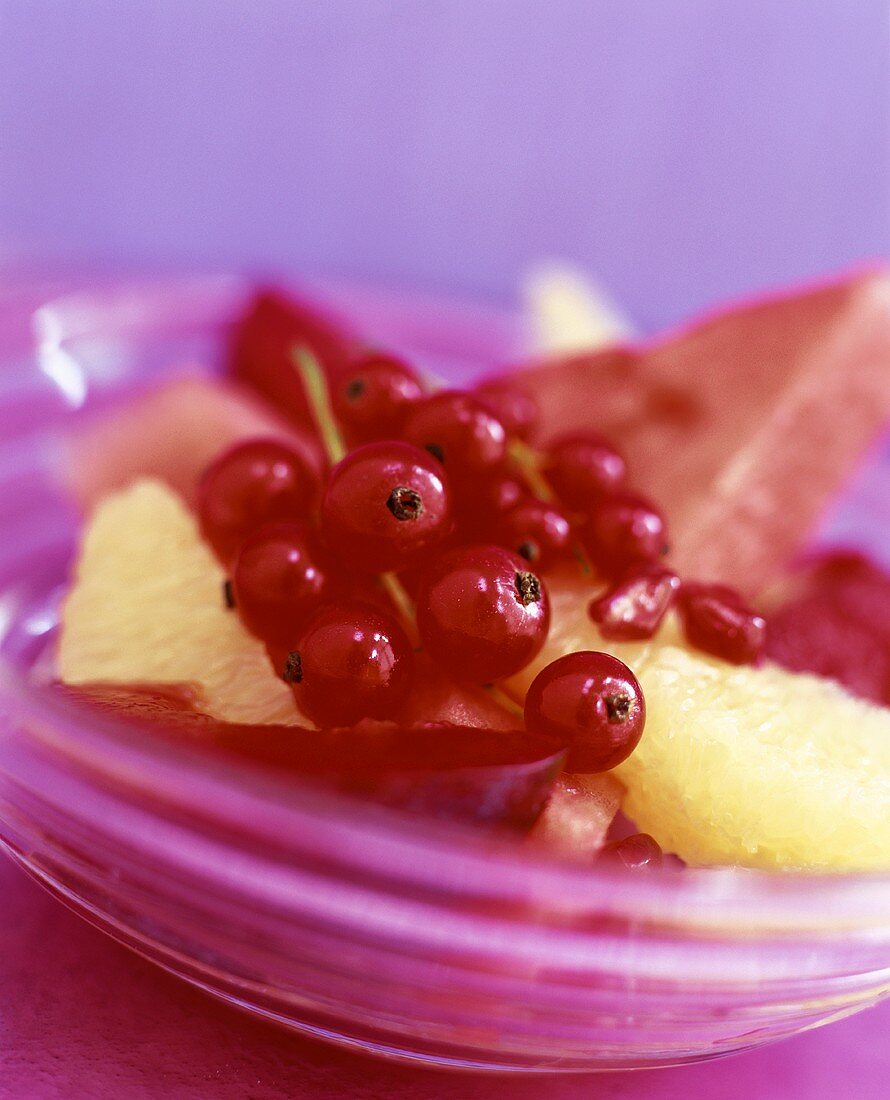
(316,387)
(404,606)
(529,462)
(506,701)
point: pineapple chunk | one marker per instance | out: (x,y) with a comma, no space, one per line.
(759,767)
(146,606)
(569,312)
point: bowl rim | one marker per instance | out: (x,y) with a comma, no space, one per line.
(449,859)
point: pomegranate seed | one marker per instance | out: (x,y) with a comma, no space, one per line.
(639,852)
(634,607)
(716,620)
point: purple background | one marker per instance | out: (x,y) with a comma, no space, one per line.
(686,150)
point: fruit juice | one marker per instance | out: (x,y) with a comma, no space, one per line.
(524,604)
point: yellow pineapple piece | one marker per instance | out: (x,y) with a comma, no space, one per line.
(756,767)
(759,766)
(569,312)
(146,606)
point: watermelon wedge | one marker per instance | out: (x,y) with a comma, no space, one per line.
(457,773)
(170,433)
(834,620)
(743,426)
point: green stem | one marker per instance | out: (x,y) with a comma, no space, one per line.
(404,605)
(506,701)
(529,461)
(316,387)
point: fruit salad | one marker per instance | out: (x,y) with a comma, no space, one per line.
(557,604)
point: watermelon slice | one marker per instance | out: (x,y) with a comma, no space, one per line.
(835,621)
(743,426)
(170,433)
(458,773)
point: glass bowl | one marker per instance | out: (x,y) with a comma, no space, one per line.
(332,917)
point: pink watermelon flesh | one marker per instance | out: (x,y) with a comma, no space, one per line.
(435,698)
(837,624)
(170,433)
(577,817)
(482,776)
(743,426)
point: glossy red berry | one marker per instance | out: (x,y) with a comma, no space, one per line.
(481,503)
(281,576)
(633,608)
(516,409)
(372,399)
(482,614)
(352,661)
(592,703)
(254,483)
(502,492)
(460,431)
(718,621)
(385,504)
(639,852)
(538,532)
(583,468)
(623,530)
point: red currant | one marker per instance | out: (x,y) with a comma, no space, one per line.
(516,409)
(460,431)
(503,492)
(634,608)
(639,852)
(385,504)
(254,483)
(481,613)
(481,505)
(718,621)
(538,532)
(582,468)
(373,398)
(592,703)
(281,576)
(622,530)
(352,661)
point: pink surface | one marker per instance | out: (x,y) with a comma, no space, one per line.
(82,1017)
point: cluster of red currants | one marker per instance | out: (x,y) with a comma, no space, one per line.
(435,499)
